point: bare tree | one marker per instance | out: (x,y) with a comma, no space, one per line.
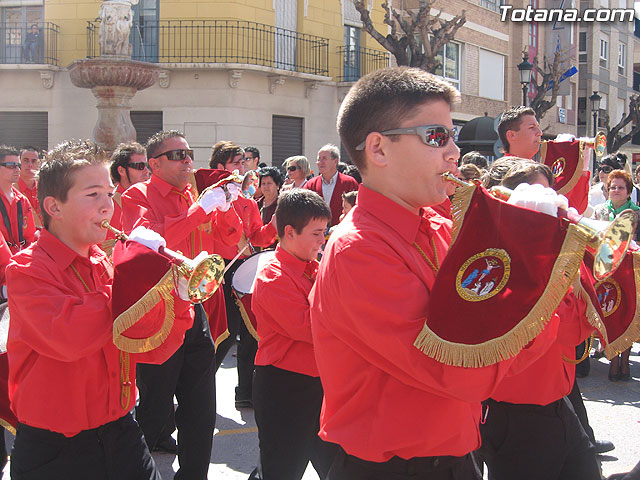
(616,137)
(416,37)
(549,76)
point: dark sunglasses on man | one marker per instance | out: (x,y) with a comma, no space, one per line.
(11,165)
(292,168)
(176,155)
(138,166)
(606,169)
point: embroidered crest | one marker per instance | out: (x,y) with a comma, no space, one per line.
(609,295)
(483,275)
(558,167)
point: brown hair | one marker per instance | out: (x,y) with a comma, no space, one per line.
(525,172)
(380,100)
(350,197)
(624,176)
(57,173)
(510,120)
(222,152)
(499,169)
(470,171)
(122,155)
(154,144)
(297,207)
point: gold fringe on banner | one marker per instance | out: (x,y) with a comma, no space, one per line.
(592,313)
(127,319)
(459,206)
(247,320)
(511,343)
(632,332)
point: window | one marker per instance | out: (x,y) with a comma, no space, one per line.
(16,23)
(24,128)
(582,47)
(533,27)
(449,59)
(286,138)
(146,124)
(351,60)
(604,52)
(622,58)
(491,81)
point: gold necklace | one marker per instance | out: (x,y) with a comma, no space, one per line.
(435,265)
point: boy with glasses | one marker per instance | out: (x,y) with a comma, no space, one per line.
(17,226)
(395,412)
(251,158)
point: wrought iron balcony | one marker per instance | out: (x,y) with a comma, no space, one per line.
(20,44)
(357,62)
(222,41)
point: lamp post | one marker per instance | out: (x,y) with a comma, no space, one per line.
(525,69)
(595,106)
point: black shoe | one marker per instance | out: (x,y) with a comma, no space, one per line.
(166,445)
(624,377)
(597,354)
(603,446)
(247,403)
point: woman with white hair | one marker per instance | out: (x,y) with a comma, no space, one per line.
(298,169)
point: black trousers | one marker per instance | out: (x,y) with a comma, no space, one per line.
(575,397)
(348,467)
(247,345)
(584,367)
(533,442)
(190,375)
(287,411)
(114,451)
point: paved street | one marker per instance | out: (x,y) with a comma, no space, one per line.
(614,413)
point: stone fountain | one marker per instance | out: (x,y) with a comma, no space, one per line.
(113,77)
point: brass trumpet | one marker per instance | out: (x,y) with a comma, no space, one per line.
(203,278)
(608,242)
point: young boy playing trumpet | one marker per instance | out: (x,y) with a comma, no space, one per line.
(71,388)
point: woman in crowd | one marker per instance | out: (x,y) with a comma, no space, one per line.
(619,185)
(270,183)
(298,169)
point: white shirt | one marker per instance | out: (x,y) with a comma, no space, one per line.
(329,187)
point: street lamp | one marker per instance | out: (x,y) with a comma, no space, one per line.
(595,106)
(525,69)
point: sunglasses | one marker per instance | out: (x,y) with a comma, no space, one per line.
(11,165)
(433,135)
(138,166)
(292,168)
(176,155)
(606,169)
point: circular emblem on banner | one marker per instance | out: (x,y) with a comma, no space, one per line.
(483,275)
(558,167)
(609,295)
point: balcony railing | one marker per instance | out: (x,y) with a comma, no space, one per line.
(357,62)
(222,41)
(19,43)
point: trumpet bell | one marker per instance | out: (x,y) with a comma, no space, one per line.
(610,242)
(205,278)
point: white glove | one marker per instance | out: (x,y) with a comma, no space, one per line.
(183,283)
(234,190)
(565,137)
(214,199)
(148,238)
(538,198)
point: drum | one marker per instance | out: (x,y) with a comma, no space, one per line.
(242,283)
(245,276)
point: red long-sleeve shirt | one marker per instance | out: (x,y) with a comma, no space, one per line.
(281,306)
(64,370)
(32,196)
(255,231)
(173,214)
(28,225)
(383,396)
(550,377)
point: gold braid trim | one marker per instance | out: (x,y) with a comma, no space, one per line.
(127,319)
(7,425)
(592,313)
(108,245)
(632,333)
(459,206)
(511,343)
(247,320)
(221,338)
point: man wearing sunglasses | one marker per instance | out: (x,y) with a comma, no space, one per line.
(331,184)
(251,158)
(17,226)
(165,204)
(128,166)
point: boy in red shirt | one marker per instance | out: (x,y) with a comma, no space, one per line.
(287,393)
(71,388)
